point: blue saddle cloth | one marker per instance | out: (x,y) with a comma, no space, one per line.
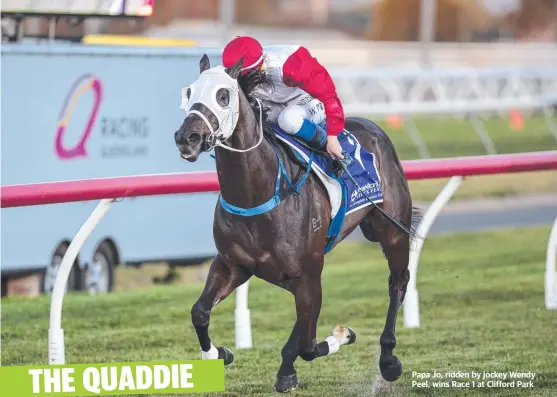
(361,165)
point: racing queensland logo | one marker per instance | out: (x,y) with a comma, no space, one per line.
(79,87)
(115,132)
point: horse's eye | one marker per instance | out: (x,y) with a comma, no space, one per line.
(188,93)
(223,97)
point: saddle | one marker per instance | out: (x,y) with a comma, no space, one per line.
(333,164)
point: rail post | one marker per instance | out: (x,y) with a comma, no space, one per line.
(551,269)
(483,134)
(414,133)
(411,304)
(549,122)
(242,321)
(56,347)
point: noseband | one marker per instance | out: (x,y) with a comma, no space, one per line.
(213,140)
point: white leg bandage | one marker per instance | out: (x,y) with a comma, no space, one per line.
(334,344)
(212,354)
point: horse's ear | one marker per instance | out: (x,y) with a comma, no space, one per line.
(204,63)
(235,70)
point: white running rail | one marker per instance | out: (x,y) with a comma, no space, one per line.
(551,270)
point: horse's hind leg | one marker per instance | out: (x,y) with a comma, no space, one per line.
(302,341)
(395,244)
(221,281)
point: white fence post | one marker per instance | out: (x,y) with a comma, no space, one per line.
(548,115)
(483,134)
(416,137)
(56,348)
(551,270)
(411,305)
(242,319)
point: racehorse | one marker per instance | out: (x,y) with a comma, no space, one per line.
(281,243)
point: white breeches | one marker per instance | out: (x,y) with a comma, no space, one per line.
(291,118)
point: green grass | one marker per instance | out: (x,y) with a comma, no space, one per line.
(453,138)
(482,309)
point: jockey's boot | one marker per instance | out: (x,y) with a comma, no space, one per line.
(315,135)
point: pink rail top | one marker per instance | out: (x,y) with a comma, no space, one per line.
(199,182)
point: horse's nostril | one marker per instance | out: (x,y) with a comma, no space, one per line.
(194,138)
(180,137)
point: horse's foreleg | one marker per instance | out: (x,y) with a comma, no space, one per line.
(221,281)
(308,297)
(397,252)
(286,377)
(302,341)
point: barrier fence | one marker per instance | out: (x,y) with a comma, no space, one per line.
(110,189)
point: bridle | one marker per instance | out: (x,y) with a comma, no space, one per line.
(214,139)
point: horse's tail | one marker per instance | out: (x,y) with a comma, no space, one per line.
(412,232)
(417,216)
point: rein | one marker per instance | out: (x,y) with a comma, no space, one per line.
(275,200)
(213,139)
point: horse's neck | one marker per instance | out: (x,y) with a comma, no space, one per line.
(246,179)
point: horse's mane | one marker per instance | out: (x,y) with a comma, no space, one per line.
(248,83)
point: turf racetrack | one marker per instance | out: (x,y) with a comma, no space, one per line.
(451,137)
(482,308)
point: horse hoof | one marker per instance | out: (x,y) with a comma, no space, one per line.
(286,383)
(390,367)
(226,355)
(345,335)
(351,336)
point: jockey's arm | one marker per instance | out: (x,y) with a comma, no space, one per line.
(304,71)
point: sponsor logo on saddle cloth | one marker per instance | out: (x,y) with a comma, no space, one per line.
(204,91)
(364,171)
(359,194)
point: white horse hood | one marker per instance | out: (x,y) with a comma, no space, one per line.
(204,90)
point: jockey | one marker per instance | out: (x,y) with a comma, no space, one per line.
(301,96)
